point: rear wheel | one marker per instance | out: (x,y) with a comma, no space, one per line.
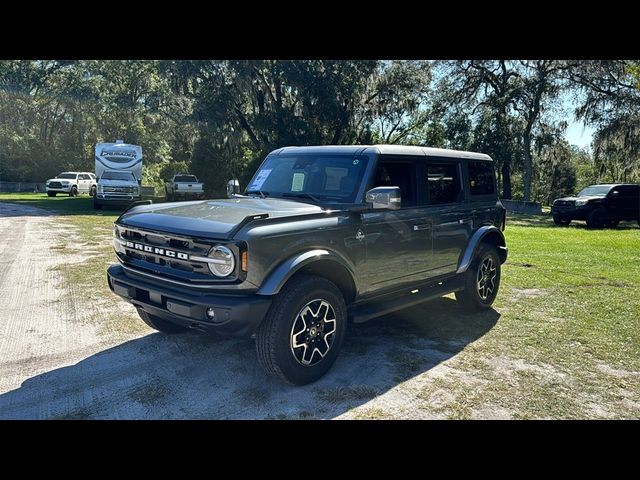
(558,220)
(481,281)
(73,192)
(597,218)
(92,191)
(51,194)
(161,325)
(301,336)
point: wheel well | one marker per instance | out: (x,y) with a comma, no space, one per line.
(336,273)
(496,240)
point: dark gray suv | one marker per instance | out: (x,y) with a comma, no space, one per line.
(321,236)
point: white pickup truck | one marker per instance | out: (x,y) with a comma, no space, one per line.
(184,186)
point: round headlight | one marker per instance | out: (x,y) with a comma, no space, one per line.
(222,261)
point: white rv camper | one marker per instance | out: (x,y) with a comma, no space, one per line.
(119,172)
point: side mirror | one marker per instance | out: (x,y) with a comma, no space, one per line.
(384,198)
(233,188)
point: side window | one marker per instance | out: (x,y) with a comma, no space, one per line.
(398,174)
(83,176)
(481,178)
(443,183)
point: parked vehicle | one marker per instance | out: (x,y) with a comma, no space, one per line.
(119,171)
(600,206)
(184,186)
(72,183)
(321,235)
(118,188)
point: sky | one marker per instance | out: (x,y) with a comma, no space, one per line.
(579,134)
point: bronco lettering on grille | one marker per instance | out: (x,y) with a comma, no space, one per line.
(157,251)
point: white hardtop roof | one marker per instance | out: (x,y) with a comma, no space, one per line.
(75,173)
(385,150)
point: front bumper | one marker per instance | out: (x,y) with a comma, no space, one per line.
(237,315)
(116,199)
(59,189)
(571,212)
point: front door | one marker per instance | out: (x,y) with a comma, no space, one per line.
(397,242)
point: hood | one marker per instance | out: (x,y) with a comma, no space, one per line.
(117,183)
(573,199)
(56,179)
(210,218)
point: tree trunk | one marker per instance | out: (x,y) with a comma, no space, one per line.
(527,166)
(506,179)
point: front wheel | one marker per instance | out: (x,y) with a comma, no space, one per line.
(73,192)
(558,220)
(301,336)
(481,281)
(161,325)
(597,218)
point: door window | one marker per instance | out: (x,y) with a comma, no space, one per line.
(398,174)
(443,183)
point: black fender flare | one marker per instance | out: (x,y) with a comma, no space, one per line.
(486,232)
(283,272)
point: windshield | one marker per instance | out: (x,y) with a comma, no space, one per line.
(67,175)
(595,191)
(321,177)
(118,176)
(185,178)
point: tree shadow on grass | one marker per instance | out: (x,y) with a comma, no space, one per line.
(195,376)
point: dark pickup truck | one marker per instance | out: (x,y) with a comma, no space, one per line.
(600,205)
(321,236)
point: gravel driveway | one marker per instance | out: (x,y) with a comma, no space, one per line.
(57,362)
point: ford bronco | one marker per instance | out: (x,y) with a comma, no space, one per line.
(321,236)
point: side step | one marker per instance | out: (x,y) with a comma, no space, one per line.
(367,311)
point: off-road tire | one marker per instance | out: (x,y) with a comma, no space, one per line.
(73,192)
(471,297)
(274,343)
(597,218)
(161,325)
(92,191)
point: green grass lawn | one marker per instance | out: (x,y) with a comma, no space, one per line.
(566,345)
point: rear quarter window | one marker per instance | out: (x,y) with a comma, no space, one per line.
(481,178)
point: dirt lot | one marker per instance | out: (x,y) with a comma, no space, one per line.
(71,349)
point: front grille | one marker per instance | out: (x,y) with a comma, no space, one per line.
(150,250)
(55,185)
(119,189)
(564,203)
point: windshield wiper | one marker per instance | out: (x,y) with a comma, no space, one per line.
(302,195)
(259,192)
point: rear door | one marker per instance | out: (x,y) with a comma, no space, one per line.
(84,183)
(624,202)
(449,211)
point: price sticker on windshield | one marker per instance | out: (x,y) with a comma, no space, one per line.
(298,182)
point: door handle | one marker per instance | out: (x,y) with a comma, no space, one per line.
(424,226)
